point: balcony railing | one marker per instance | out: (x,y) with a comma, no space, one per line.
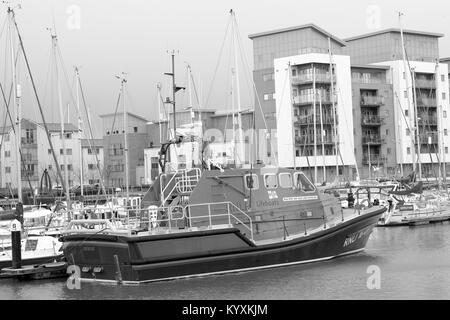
(309,77)
(306,120)
(432,138)
(424,121)
(425,83)
(371,120)
(372,100)
(324,98)
(374,159)
(426,102)
(372,139)
(28,141)
(309,140)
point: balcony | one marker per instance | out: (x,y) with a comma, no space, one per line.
(427,121)
(322,77)
(28,141)
(371,120)
(426,102)
(431,138)
(309,140)
(302,100)
(374,159)
(372,139)
(372,100)
(425,83)
(309,120)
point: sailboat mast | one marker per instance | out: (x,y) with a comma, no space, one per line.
(17,95)
(314,121)
(405,67)
(238,99)
(125,138)
(416,116)
(442,173)
(61,112)
(333,108)
(324,178)
(80,130)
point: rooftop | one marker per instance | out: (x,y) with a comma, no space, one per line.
(304,26)
(120,113)
(370,66)
(86,143)
(56,127)
(395,30)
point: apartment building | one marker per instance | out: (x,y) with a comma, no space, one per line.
(373,120)
(420,97)
(380,105)
(37,154)
(305,95)
(92,157)
(114,147)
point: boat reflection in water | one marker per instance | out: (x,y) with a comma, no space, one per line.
(195,223)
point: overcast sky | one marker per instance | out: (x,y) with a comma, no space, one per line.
(133,36)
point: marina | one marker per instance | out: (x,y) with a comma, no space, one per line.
(320,173)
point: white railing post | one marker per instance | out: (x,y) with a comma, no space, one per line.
(229,214)
(209,215)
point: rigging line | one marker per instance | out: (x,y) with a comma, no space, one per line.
(115,111)
(218,61)
(256,94)
(8,114)
(92,137)
(66,77)
(38,101)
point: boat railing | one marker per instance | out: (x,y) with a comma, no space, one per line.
(165,219)
(182,181)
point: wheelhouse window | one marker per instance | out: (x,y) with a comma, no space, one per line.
(285,180)
(251,181)
(302,183)
(271,181)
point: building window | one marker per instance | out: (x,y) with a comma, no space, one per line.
(443,96)
(69,151)
(408,150)
(407,132)
(406,113)
(69,135)
(269,96)
(268,76)
(294,72)
(91,166)
(69,167)
(404,75)
(446,149)
(387,132)
(7,169)
(297,153)
(49,151)
(445,132)
(388,151)
(135,129)
(7,154)
(405,94)
(443,77)
(7,137)
(444,114)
